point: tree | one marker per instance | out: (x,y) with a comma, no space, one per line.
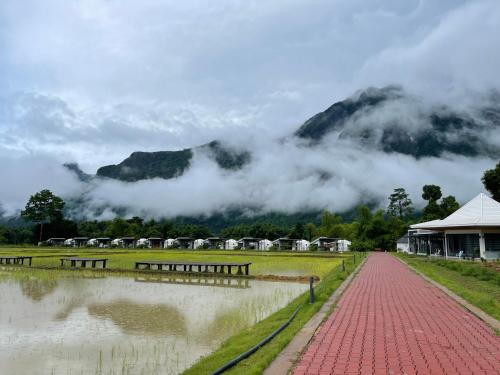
(431,193)
(43,207)
(400,204)
(448,205)
(491,181)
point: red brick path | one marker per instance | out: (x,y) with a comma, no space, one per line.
(391,321)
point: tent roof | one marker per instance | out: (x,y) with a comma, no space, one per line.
(482,211)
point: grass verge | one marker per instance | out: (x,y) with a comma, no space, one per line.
(477,283)
(243,341)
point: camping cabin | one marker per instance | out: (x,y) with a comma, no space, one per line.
(198,244)
(473,232)
(184,242)
(155,242)
(325,243)
(142,243)
(265,245)
(215,243)
(128,242)
(230,244)
(56,241)
(302,245)
(169,243)
(80,241)
(343,245)
(248,243)
(117,242)
(285,243)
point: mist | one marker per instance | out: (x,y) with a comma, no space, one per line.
(91,82)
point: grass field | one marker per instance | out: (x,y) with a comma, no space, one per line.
(475,282)
(263,263)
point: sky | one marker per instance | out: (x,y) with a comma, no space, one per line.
(91,81)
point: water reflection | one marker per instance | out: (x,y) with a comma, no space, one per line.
(153,325)
(138,319)
(36,289)
(207,281)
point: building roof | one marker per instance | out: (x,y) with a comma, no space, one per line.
(482,211)
(403,239)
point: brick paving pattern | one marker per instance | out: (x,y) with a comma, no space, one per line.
(392,321)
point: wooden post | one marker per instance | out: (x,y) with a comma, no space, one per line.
(84,264)
(239,270)
(246,269)
(62,262)
(73,263)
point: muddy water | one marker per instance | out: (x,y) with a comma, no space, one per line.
(123,325)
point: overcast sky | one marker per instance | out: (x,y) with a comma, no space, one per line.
(91,81)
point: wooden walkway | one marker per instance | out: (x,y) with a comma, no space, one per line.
(13,259)
(392,321)
(206,267)
(83,262)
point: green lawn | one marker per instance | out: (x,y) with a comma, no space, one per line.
(475,282)
(263,263)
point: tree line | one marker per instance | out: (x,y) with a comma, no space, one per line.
(44,213)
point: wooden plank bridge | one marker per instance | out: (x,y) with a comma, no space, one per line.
(15,259)
(83,262)
(205,267)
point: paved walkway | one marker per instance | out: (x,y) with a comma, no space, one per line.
(391,321)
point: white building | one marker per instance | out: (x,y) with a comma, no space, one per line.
(473,231)
(403,244)
(142,242)
(169,242)
(325,243)
(69,242)
(343,245)
(231,244)
(265,245)
(302,245)
(198,244)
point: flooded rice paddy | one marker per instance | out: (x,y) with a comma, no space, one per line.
(125,325)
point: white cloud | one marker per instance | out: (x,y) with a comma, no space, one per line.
(92,81)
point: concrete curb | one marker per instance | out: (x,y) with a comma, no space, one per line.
(286,360)
(488,319)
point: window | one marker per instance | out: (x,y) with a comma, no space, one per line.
(492,241)
(465,245)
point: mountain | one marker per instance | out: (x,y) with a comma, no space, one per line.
(385,119)
(392,121)
(170,164)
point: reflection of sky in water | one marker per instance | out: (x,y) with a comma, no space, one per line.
(119,325)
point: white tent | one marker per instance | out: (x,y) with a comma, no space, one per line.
(231,244)
(69,242)
(117,242)
(302,245)
(198,243)
(343,245)
(265,245)
(169,242)
(142,242)
(92,242)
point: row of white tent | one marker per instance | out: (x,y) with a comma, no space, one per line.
(246,243)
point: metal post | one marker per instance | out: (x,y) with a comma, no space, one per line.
(311,289)
(343,265)
(354,258)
